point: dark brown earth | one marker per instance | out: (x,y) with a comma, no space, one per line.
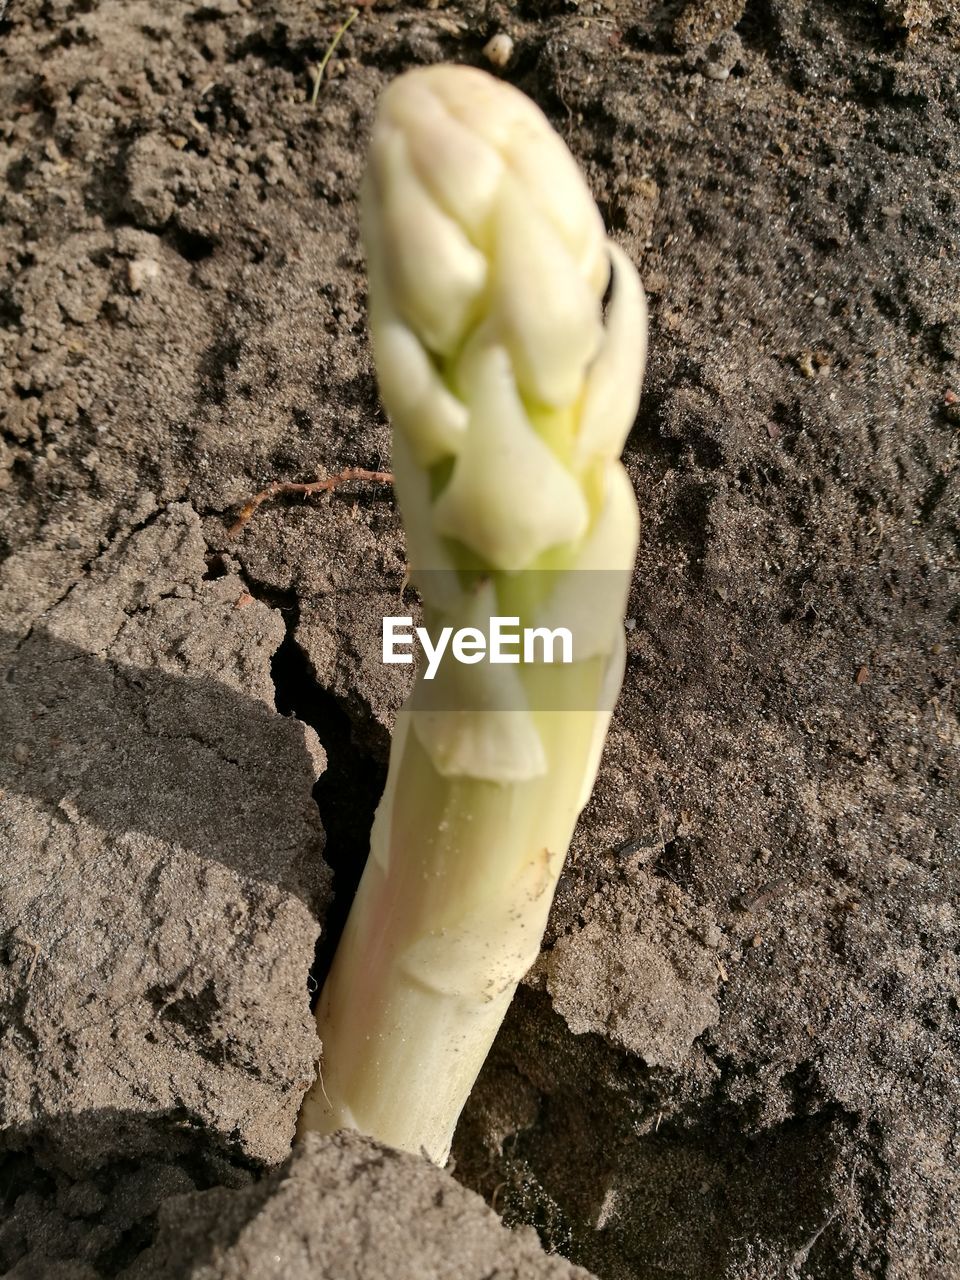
(737,1056)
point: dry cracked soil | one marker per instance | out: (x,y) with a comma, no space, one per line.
(737,1055)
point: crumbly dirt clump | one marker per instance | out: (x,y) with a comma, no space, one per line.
(344,1208)
(737,1056)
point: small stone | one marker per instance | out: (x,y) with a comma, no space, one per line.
(716,71)
(68,807)
(140,272)
(819,300)
(710,935)
(499,49)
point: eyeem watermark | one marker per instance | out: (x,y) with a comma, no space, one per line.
(506,643)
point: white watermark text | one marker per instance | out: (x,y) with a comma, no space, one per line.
(507,642)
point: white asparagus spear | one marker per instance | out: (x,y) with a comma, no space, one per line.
(511,393)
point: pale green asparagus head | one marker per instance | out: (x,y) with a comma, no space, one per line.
(510,387)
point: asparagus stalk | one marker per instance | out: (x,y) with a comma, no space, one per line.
(511,389)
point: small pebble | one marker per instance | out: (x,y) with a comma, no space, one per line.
(499,49)
(716,71)
(710,935)
(67,806)
(141,271)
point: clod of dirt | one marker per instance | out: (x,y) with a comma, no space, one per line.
(703,21)
(912,17)
(635,972)
(344,1208)
(162,860)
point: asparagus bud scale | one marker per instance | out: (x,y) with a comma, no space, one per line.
(511,387)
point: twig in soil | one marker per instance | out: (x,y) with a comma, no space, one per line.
(803,1253)
(26,941)
(320,1080)
(496,1192)
(308,489)
(338,36)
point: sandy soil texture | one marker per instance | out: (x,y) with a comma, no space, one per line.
(737,1056)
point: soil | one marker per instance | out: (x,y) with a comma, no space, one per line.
(736,1056)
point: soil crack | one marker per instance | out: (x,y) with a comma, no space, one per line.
(348,790)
